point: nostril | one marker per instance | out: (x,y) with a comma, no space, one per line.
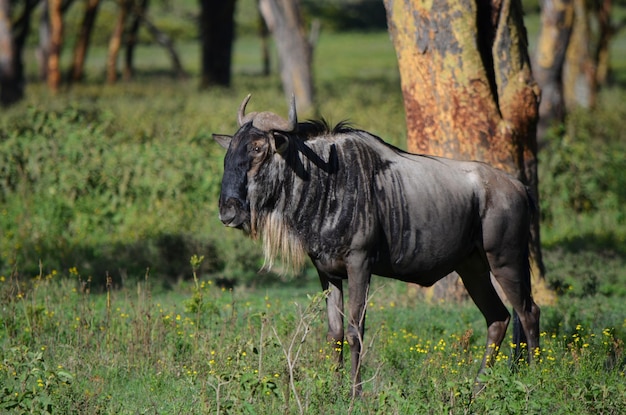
(227,215)
(229,211)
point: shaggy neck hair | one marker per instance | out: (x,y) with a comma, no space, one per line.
(274,187)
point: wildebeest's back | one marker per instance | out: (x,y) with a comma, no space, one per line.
(430,210)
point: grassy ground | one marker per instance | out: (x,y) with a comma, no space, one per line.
(106,192)
(202,349)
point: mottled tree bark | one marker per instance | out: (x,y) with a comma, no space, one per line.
(82,43)
(468,88)
(217,31)
(295,52)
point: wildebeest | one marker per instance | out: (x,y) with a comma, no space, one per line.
(358,206)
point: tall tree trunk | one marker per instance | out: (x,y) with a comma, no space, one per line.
(82,43)
(56,41)
(606,34)
(12,41)
(579,71)
(557,18)
(294,49)
(572,56)
(265,45)
(468,88)
(116,41)
(43,49)
(132,38)
(8,94)
(217,31)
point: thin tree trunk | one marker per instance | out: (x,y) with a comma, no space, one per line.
(468,88)
(132,38)
(116,41)
(82,43)
(8,95)
(43,49)
(579,71)
(164,40)
(557,17)
(606,34)
(217,31)
(294,50)
(12,40)
(56,40)
(265,46)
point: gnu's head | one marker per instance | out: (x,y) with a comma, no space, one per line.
(260,135)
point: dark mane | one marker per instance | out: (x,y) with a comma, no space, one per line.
(313,128)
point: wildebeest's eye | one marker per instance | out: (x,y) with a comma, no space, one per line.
(255,148)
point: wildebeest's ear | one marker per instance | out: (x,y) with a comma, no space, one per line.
(223,140)
(279,142)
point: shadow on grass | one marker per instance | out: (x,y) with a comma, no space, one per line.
(592,242)
(586,265)
(165,259)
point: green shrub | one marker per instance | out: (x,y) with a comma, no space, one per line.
(583,191)
(28,382)
(581,167)
(77,187)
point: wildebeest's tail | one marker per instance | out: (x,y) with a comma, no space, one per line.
(534,242)
(519,340)
(519,336)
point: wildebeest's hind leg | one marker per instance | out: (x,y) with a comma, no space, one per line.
(334,309)
(514,278)
(474,272)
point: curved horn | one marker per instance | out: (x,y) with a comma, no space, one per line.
(293,116)
(242,110)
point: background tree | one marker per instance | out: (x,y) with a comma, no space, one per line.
(295,50)
(468,89)
(264,32)
(132,38)
(43,47)
(217,31)
(115,42)
(83,40)
(55,14)
(12,41)
(557,18)
(51,40)
(7,56)
(572,58)
(140,17)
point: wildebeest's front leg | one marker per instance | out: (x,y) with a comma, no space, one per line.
(358,287)
(334,308)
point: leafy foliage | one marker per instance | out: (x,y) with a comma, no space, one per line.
(77,186)
(28,381)
(583,191)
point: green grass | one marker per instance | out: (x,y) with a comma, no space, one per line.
(201,349)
